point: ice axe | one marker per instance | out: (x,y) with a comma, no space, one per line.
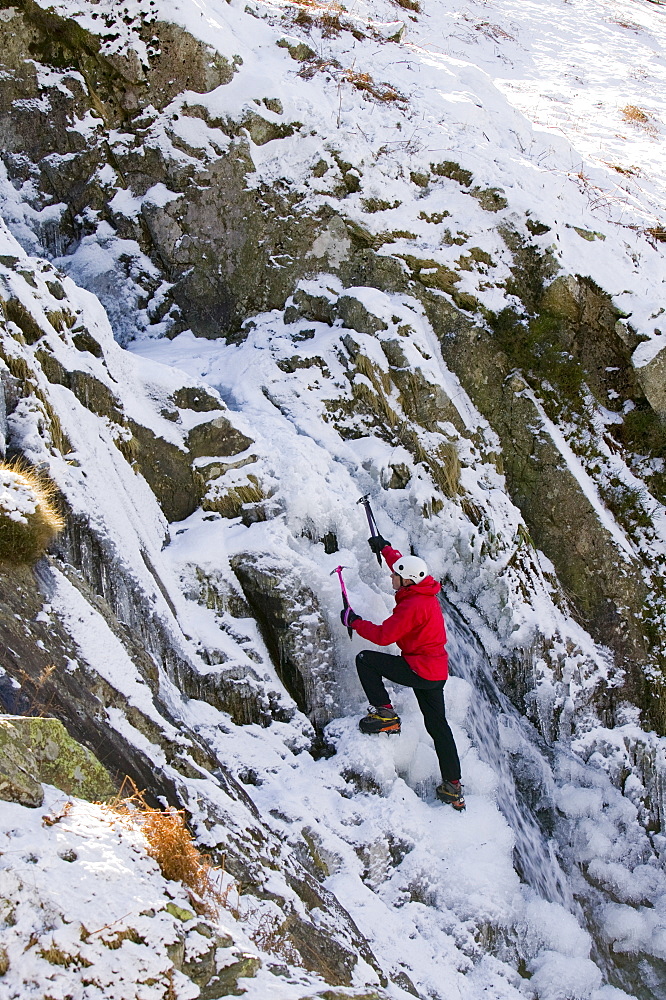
(345,599)
(365,500)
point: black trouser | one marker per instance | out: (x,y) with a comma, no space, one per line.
(374,666)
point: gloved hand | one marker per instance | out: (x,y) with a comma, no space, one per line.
(377,543)
(348,617)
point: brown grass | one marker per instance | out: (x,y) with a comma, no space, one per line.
(493,31)
(626,171)
(50,819)
(317,5)
(116,940)
(626,24)
(39,702)
(631,113)
(231,501)
(378,205)
(173,847)
(56,956)
(61,319)
(24,541)
(380,91)
(270,935)
(657,233)
(447,467)
(330,24)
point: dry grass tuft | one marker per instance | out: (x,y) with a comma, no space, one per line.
(56,956)
(270,935)
(29,515)
(626,171)
(231,501)
(116,940)
(630,25)
(330,24)
(631,113)
(171,844)
(380,91)
(448,468)
(50,819)
(378,205)
(335,8)
(61,319)
(493,31)
(173,847)
(657,233)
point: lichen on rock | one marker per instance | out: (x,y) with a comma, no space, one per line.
(35,750)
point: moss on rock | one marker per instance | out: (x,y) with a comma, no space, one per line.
(34,750)
(17,769)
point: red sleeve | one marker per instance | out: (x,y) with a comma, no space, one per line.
(390,555)
(397,625)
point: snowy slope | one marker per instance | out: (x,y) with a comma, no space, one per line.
(532,98)
(529,97)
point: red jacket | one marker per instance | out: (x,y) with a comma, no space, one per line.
(416,625)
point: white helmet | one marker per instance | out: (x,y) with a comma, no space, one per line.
(411,568)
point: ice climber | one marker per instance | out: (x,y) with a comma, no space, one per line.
(417,627)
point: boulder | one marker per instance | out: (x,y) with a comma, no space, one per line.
(34,750)
(195,397)
(355,316)
(17,769)
(294,630)
(168,471)
(216,437)
(652,378)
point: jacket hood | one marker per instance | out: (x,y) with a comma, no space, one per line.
(426,588)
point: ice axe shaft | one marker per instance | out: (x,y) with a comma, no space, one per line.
(365,500)
(345,599)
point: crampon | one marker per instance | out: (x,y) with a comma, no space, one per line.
(451,792)
(380,720)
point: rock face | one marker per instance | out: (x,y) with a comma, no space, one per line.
(213,245)
(572,345)
(652,378)
(87,703)
(294,629)
(17,770)
(3,420)
(37,750)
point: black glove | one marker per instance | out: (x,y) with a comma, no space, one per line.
(348,617)
(377,543)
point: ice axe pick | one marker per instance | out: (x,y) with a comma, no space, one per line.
(345,599)
(365,500)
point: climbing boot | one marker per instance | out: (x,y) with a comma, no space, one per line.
(380,720)
(451,792)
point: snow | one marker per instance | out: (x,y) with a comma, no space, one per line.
(17,498)
(86,910)
(485,85)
